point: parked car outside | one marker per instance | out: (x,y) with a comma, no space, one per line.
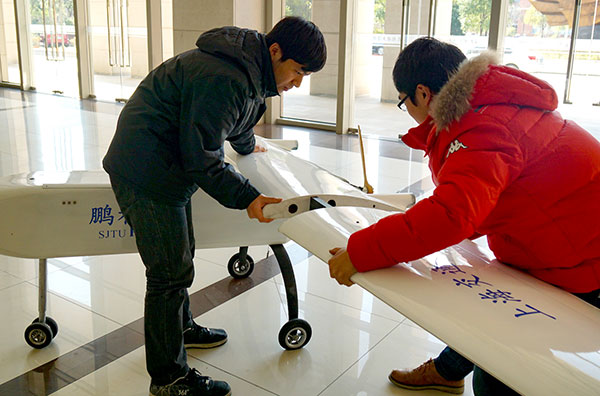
(377,49)
(528,61)
(60,38)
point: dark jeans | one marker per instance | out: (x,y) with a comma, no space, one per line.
(165,241)
(453,366)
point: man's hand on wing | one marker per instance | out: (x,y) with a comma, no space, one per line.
(255,209)
(259,149)
(340,267)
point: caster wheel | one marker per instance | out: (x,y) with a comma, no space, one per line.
(294,334)
(239,269)
(38,335)
(50,322)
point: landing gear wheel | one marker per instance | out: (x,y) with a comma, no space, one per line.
(38,335)
(294,334)
(239,269)
(50,322)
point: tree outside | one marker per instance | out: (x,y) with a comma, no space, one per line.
(455,24)
(64,12)
(536,19)
(474,15)
(379,23)
(513,16)
(301,8)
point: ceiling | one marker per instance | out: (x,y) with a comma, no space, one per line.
(560,12)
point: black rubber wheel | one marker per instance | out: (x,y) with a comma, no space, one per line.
(295,334)
(50,322)
(38,335)
(239,269)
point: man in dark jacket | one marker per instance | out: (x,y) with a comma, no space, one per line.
(169,142)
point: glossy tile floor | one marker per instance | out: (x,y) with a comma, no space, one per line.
(98,301)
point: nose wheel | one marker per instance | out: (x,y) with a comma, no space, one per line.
(241,264)
(40,334)
(294,334)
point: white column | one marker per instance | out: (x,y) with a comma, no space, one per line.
(274,11)
(326,15)
(393,25)
(194,17)
(345,88)
(191,18)
(24,35)
(155,29)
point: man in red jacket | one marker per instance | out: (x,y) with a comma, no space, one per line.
(505,165)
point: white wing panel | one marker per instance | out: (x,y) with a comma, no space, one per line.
(281,174)
(536,338)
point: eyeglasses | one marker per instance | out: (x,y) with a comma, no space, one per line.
(401,104)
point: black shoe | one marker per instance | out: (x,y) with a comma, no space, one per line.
(193,384)
(203,337)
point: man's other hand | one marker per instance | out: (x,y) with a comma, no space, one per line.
(340,267)
(259,149)
(255,209)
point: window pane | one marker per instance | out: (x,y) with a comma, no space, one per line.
(585,82)
(315,99)
(377,44)
(464,23)
(533,45)
(9,56)
(52,27)
(378,32)
(118,40)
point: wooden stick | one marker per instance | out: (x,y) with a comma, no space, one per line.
(368,187)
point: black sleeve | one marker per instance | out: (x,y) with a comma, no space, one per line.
(210,109)
(243,143)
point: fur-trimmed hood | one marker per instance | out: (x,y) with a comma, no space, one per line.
(480,81)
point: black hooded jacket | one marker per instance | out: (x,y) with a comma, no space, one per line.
(170,134)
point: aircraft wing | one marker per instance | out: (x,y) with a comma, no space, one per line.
(536,338)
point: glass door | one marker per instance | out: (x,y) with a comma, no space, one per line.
(118,47)
(537,45)
(383,28)
(315,99)
(465,24)
(585,80)
(54,57)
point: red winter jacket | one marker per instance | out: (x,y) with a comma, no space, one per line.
(506,165)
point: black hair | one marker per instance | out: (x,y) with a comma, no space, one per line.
(426,61)
(301,41)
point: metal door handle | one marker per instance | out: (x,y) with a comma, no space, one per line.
(125,58)
(55,54)
(120,57)
(111,62)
